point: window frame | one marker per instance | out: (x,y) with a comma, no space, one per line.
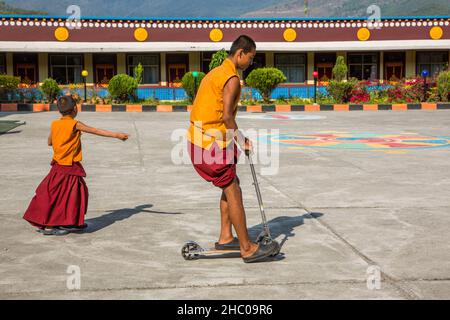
(66,66)
(362,64)
(129,66)
(305,65)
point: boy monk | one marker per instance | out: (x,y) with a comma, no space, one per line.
(61,199)
(212,138)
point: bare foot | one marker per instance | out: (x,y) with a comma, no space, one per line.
(252,248)
(225,240)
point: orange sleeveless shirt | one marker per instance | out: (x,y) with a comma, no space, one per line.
(66,141)
(206,117)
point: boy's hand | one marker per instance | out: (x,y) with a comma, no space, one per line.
(122,136)
(247,146)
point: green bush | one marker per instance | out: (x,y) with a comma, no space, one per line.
(443,86)
(9,82)
(121,87)
(340,91)
(265,80)
(340,69)
(218,58)
(50,89)
(188,83)
(379,97)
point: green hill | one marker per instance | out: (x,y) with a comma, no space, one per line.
(351,8)
(7,9)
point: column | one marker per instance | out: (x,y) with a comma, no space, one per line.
(89,66)
(43,72)
(162,66)
(381,66)
(410,70)
(194,61)
(310,68)
(270,59)
(9,64)
(121,63)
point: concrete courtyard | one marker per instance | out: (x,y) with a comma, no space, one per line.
(341,211)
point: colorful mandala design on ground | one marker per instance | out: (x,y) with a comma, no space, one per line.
(361,141)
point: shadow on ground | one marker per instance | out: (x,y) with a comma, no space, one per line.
(8,125)
(281,226)
(96,224)
(10,132)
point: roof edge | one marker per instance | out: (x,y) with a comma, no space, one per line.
(21,16)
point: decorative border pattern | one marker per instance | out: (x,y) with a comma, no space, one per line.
(25,107)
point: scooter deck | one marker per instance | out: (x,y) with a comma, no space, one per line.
(213,251)
(192,250)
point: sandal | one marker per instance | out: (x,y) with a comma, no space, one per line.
(53,232)
(264,251)
(74,228)
(232,245)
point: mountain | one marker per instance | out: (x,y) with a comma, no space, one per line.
(351,8)
(153,8)
(230,8)
(7,9)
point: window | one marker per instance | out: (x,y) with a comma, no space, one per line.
(206,60)
(293,66)
(363,66)
(104,67)
(176,66)
(2,63)
(433,62)
(150,65)
(25,67)
(394,66)
(324,63)
(66,69)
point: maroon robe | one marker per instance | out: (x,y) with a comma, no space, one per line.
(61,198)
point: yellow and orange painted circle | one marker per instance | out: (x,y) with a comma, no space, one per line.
(140,34)
(289,35)
(61,34)
(436,33)
(216,35)
(363,34)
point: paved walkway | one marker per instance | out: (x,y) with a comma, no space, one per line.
(354,193)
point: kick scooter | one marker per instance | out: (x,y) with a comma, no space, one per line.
(192,250)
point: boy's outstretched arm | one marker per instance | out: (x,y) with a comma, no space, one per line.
(100,132)
(49,140)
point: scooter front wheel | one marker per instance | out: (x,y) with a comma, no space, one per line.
(277,250)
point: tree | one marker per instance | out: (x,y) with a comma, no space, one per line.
(218,58)
(188,83)
(265,80)
(121,87)
(50,89)
(339,90)
(340,69)
(443,86)
(138,73)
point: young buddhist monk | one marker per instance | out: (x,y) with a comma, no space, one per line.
(212,138)
(61,199)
